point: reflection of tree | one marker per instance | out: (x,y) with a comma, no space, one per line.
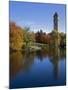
(28,60)
(40,54)
(62,54)
(20,61)
(24,60)
(51,52)
(57,55)
(55,61)
(15,62)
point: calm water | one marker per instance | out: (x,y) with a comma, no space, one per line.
(41,68)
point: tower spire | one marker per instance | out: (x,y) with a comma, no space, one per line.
(55,21)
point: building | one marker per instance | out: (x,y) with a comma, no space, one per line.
(55,20)
(55,35)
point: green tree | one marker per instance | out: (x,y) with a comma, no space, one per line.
(63,40)
(29,37)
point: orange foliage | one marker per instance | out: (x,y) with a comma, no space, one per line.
(16,36)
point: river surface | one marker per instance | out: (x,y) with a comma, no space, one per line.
(38,69)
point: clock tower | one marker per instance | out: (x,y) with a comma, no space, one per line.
(55,21)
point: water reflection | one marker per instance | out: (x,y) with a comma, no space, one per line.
(15,62)
(57,55)
(55,61)
(25,60)
(20,61)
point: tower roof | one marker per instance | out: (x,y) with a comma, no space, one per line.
(55,14)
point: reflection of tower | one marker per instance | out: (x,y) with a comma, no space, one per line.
(55,17)
(55,61)
(56,68)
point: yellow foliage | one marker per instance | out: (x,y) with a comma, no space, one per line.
(16,37)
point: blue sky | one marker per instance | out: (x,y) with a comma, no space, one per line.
(37,15)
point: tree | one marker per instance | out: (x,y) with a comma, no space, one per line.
(55,38)
(42,37)
(16,37)
(63,39)
(29,37)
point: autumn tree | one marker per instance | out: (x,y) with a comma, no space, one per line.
(16,36)
(42,37)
